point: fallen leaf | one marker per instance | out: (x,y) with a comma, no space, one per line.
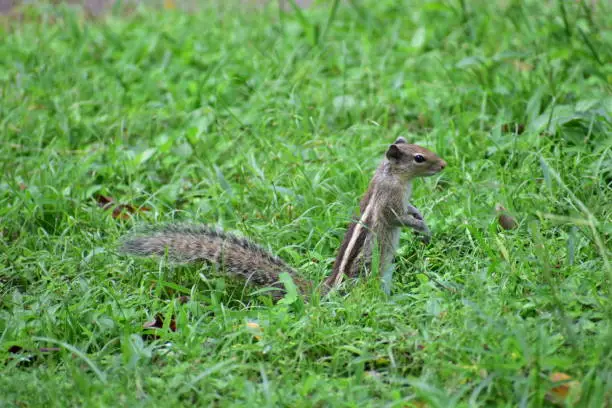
(516,128)
(123,211)
(103,201)
(26,358)
(522,66)
(157,323)
(18,349)
(15,349)
(255,329)
(564,386)
(506,221)
(120,211)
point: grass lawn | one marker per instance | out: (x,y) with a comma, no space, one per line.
(270,125)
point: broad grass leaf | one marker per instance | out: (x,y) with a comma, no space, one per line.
(419,37)
(291,290)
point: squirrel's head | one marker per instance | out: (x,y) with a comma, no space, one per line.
(410,161)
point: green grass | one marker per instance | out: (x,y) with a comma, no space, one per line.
(270,125)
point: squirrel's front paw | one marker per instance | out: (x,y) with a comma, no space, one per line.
(414,212)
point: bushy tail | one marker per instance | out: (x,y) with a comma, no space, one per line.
(198,243)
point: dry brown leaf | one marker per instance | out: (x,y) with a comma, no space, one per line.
(120,211)
(255,329)
(564,385)
(158,323)
(19,349)
(103,201)
(15,349)
(183,299)
(517,128)
(27,357)
(506,221)
(123,211)
(169,4)
(522,66)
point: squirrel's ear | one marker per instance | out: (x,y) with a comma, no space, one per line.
(394,152)
(400,140)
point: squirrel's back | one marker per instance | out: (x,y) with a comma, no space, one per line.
(199,243)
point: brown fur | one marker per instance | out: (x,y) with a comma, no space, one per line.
(388,195)
(382,208)
(238,256)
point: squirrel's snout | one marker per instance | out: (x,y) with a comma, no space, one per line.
(442,164)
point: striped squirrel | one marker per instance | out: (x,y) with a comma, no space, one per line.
(384,209)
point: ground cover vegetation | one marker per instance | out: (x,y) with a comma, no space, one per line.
(270,123)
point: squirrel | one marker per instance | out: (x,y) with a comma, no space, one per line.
(384,210)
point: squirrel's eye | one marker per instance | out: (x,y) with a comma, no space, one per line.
(419,158)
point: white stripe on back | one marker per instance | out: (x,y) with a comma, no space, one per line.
(345,258)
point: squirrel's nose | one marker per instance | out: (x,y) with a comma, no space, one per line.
(442,164)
